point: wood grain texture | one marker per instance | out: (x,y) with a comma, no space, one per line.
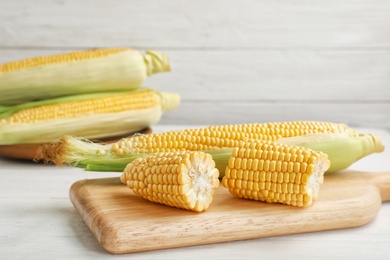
(196,24)
(123,222)
(40,222)
(355,114)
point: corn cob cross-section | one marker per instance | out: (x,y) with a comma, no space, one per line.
(275,173)
(89,116)
(184,180)
(80,72)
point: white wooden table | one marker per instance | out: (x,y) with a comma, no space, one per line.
(38,221)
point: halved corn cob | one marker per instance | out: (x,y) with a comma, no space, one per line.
(80,72)
(184,180)
(329,138)
(90,116)
(275,173)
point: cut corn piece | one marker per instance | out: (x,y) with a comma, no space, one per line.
(275,173)
(90,71)
(89,116)
(184,180)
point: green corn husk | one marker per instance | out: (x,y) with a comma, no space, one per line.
(342,149)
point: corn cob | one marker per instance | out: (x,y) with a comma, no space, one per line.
(219,142)
(275,173)
(184,180)
(90,116)
(220,136)
(90,71)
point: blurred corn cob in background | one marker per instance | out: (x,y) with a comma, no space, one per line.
(89,116)
(343,144)
(92,94)
(80,72)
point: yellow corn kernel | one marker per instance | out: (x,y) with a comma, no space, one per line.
(277,187)
(189,184)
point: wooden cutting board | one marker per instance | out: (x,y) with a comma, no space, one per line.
(123,222)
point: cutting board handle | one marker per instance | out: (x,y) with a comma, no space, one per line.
(382,181)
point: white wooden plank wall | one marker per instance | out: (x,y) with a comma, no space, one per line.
(232,61)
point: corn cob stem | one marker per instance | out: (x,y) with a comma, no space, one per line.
(156,62)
